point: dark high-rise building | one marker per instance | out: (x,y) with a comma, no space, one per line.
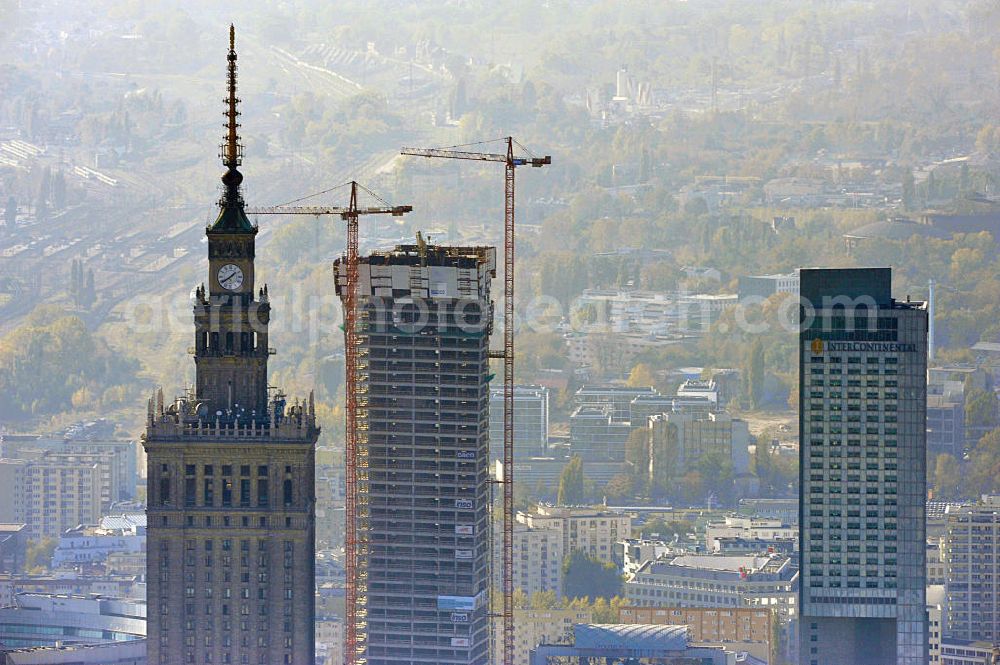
(425,317)
(863,398)
(230,536)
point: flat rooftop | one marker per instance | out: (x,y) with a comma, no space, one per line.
(433,255)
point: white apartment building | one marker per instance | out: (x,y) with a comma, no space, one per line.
(538,559)
(592,530)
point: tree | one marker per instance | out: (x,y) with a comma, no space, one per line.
(666,530)
(607,611)
(637,457)
(544,600)
(947,477)
(980,408)
(641,376)
(984,466)
(692,487)
(572,483)
(586,577)
(909,191)
(59,191)
(10,213)
(49,358)
(89,291)
(753,370)
(619,488)
(716,467)
(601,610)
(609,354)
(38,554)
(41,210)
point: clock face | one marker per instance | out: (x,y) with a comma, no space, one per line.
(230,277)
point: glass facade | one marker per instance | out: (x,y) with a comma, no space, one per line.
(862,472)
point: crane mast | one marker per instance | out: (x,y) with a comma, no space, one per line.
(511,162)
(356,438)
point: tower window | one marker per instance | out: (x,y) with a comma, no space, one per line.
(229,342)
(244,492)
(227,492)
(263,489)
(287,492)
(189,490)
(164,490)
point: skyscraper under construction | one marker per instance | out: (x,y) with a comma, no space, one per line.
(424,320)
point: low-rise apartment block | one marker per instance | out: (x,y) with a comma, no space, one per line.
(592,530)
(534,627)
(737,629)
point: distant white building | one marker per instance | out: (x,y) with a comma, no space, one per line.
(698,580)
(538,559)
(749,529)
(592,530)
(700,388)
(765,286)
(631,553)
(93,544)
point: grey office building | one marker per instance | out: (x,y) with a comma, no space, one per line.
(862,392)
(426,317)
(531,421)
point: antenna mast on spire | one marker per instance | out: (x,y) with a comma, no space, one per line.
(231,151)
(232,155)
(232,217)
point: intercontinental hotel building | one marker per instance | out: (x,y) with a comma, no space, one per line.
(862,391)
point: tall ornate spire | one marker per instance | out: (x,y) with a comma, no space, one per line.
(232,216)
(232,151)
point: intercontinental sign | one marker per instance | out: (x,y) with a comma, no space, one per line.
(819,346)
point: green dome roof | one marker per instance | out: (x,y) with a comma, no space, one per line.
(232,219)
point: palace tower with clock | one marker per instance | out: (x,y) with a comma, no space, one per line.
(230,502)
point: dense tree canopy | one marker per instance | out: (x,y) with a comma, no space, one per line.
(53,363)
